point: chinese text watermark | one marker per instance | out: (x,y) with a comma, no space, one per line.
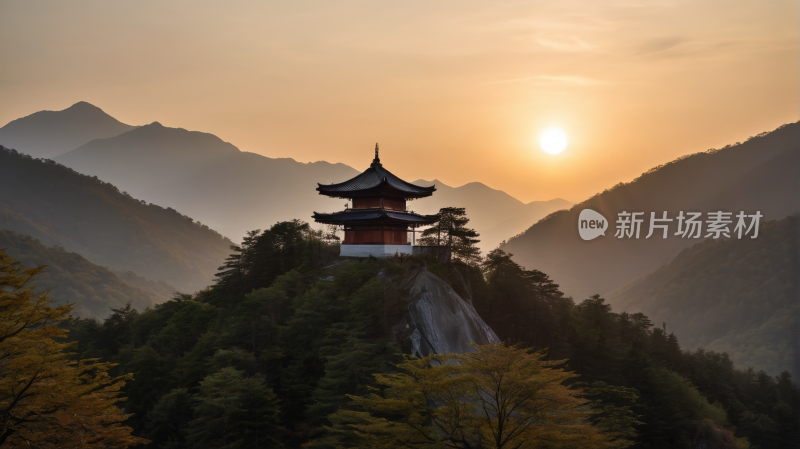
(687,225)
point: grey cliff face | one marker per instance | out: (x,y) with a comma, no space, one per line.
(444,322)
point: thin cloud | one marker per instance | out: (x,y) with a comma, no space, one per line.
(676,47)
(563,80)
(571,44)
(659,45)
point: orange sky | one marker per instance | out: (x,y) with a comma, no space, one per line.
(456,90)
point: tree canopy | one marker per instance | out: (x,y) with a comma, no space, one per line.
(451,231)
(498,397)
(295,320)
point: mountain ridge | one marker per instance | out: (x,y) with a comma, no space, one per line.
(697,180)
(235,191)
(60,206)
(49,134)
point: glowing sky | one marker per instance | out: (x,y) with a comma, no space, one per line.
(456,90)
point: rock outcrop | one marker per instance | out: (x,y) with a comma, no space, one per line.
(438,320)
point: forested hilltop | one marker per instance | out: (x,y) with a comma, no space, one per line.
(266,356)
(83,214)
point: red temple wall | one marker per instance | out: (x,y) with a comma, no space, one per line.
(394,204)
(365,203)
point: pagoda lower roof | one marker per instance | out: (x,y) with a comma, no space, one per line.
(375,181)
(374,217)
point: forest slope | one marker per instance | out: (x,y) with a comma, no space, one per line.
(736,296)
(110,228)
(73,279)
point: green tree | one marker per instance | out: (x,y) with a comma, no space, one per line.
(170,418)
(451,231)
(612,409)
(119,328)
(350,363)
(234,411)
(522,306)
(235,267)
(264,256)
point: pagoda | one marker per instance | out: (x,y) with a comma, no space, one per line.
(377,223)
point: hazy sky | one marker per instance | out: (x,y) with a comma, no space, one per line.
(456,90)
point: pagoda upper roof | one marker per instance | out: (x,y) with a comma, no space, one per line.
(375,181)
(375,216)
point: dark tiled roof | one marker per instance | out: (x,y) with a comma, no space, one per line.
(374,215)
(412,217)
(373,177)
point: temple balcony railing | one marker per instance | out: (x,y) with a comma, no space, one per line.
(367,209)
(380,208)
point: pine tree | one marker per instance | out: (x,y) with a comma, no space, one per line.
(234,411)
(233,271)
(170,417)
(519,302)
(350,363)
(451,231)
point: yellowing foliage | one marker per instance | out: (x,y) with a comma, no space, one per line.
(48,400)
(498,397)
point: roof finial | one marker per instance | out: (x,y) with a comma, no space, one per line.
(377,160)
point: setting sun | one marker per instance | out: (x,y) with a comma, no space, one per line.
(553,141)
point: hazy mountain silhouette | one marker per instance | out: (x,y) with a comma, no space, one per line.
(72,279)
(211,180)
(495,214)
(234,191)
(760,174)
(734,296)
(48,134)
(61,207)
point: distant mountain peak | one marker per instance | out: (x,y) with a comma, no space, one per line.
(425,183)
(83,105)
(48,134)
(554,200)
(147,149)
(87,110)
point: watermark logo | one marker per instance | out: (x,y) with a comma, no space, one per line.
(629,225)
(690,225)
(591,224)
